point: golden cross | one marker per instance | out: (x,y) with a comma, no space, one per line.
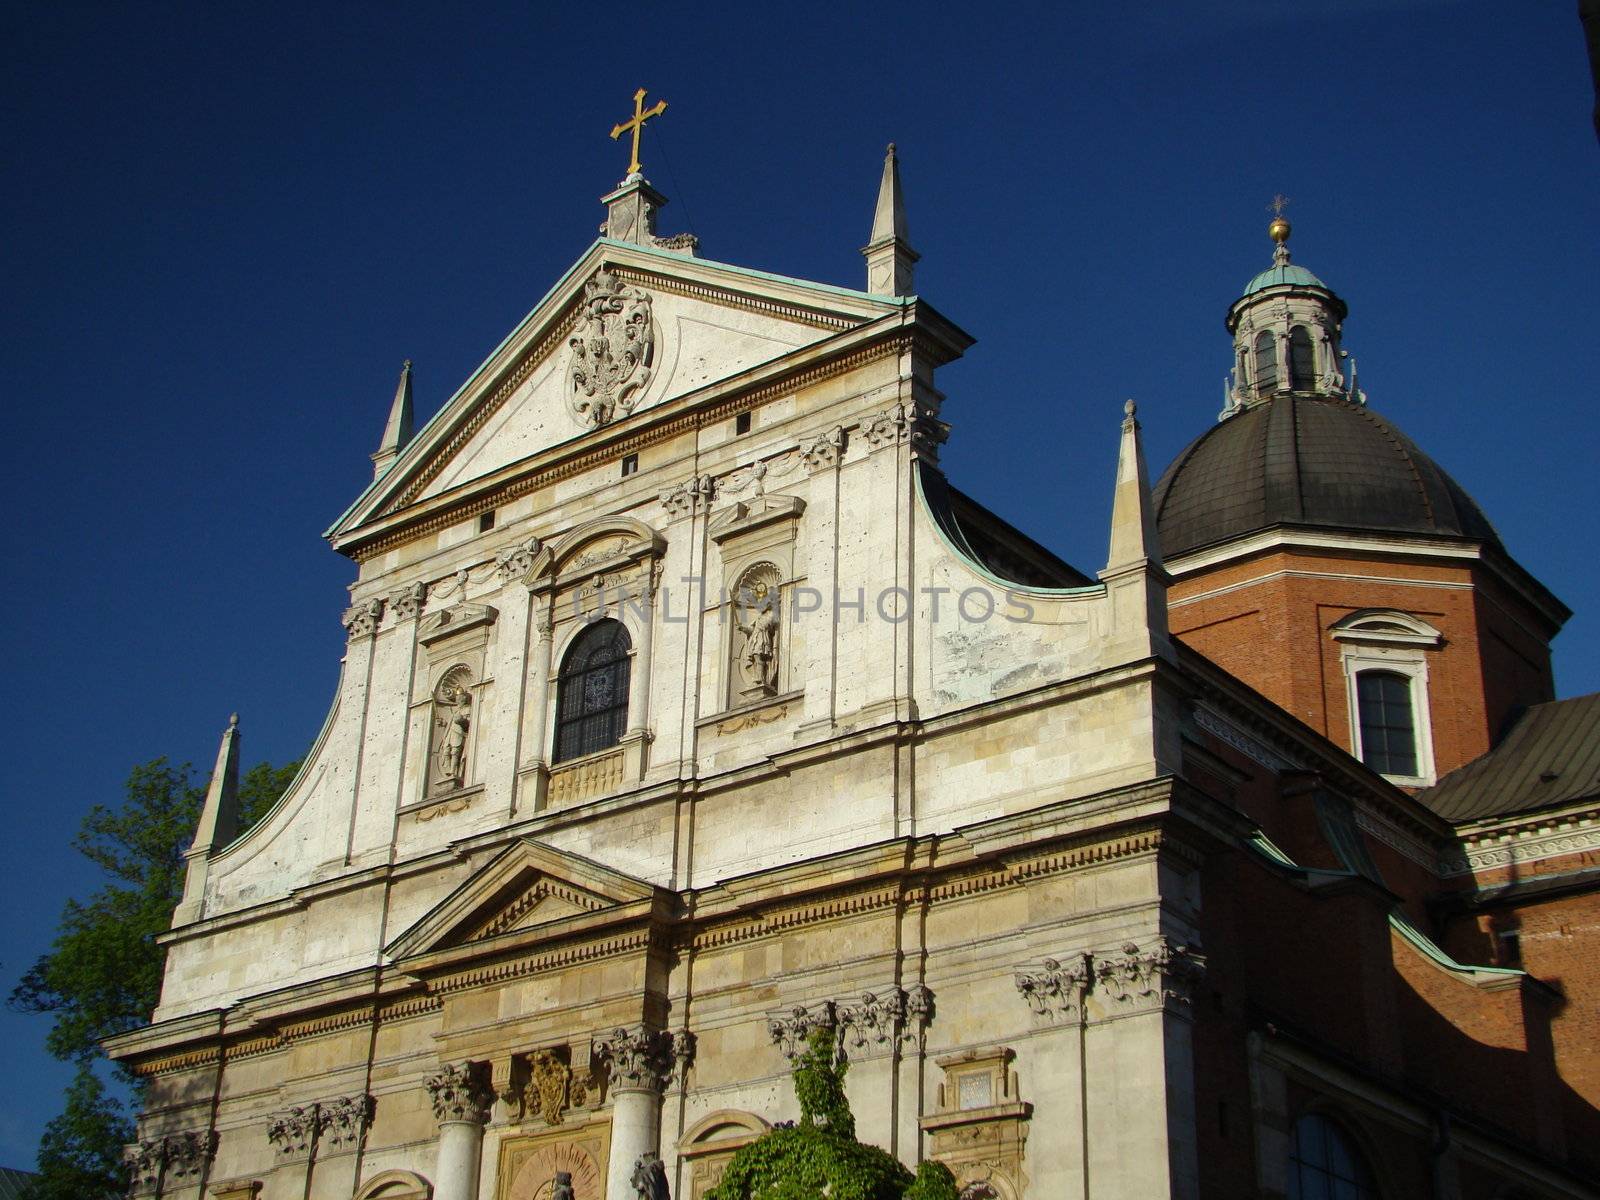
(1279,202)
(641,114)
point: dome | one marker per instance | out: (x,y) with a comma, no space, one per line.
(1280,276)
(1308,460)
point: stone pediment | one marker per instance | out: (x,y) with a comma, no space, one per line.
(662,325)
(746,515)
(527,886)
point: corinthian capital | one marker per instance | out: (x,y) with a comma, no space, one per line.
(640,1058)
(1161,973)
(460,1093)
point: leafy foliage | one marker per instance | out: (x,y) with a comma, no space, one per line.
(102,975)
(820,1156)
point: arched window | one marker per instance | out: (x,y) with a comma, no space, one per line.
(1323,1163)
(592,691)
(1388,722)
(1266,371)
(1302,362)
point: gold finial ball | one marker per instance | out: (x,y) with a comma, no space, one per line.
(1278,231)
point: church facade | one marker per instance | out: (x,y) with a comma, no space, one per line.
(687,708)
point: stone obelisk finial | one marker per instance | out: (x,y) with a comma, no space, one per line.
(888,252)
(397,433)
(218,825)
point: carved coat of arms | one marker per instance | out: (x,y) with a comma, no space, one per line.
(613,348)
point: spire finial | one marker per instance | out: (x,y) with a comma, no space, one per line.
(888,251)
(397,432)
(1279,229)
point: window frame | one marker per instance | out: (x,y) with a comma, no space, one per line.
(1399,644)
(1368,1188)
(565,674)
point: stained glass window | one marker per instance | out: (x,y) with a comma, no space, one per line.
(592,691)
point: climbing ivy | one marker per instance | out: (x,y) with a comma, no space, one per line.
(820,1156)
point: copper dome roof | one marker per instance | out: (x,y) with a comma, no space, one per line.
(1308,461)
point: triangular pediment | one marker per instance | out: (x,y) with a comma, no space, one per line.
(627,330)
(527,886)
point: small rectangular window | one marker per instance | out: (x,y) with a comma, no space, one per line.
(1388,725)
(630,464)
(486,521)
(741,423)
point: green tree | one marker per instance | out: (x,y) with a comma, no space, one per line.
(102,974)
(820,1156)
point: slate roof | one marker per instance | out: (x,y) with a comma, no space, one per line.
(1308,460)
(11,1182)
(1550,758)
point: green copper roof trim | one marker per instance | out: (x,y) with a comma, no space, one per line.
(1426,946)
(1284,276)
(826,289)
(982,571)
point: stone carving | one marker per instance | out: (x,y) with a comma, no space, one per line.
(342,1123)
(459,1093)
(791,1030)
(755,616)
(187,1154)
(1057,990)
(452,722)
(143,1160)
(886,1018)
(642,1058)
(516,561)
(361,620)
(683,499)
(291,1132)
(825,451)
(885,428)
(548,1081)
(906,422)
(406,604)
(562,1188)
(612,350)
(650,1178)
(1164,972)
(750,720)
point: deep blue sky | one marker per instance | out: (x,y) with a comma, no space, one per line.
(226,224)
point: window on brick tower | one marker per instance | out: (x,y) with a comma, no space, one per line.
(1325,1165)
(1388,723)
(1302,363)
(1266,365)
(592,691)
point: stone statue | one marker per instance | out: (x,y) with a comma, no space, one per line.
(758,657)
(453,742)
(563,1187)
(650,1178)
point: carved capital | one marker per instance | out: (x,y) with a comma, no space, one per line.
(514,562)
(885,428)
(790,1030)
(886,1018)
(188,1153)
(293,1131)
(1163,972)
(143,1160)
(686,498)
(343,1122)
(825,451)
(361,620)
(459,1093)
(906,422)
(406,604)
(1056,990)
(640,1059)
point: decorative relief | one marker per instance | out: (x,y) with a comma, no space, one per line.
(612,350)
(516,561)
(293,1131)
(765,716)
(406,604)
(361,620)
(644,1059)
(825,451)
(685,498)
(459,1093)
(885,428)
(756,618)
(593,776)
(1056,990)
(343,1122)
(887,1018)
(143,1161)
(1128,977)
(452,722)
(906,422)
(549,1078)
(188,1153)
(1252,748)
(1504,847)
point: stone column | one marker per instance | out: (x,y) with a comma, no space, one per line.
(461,1100)
(640,1061)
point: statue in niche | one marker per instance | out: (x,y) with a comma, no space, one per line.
(452,719)
(756,618)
